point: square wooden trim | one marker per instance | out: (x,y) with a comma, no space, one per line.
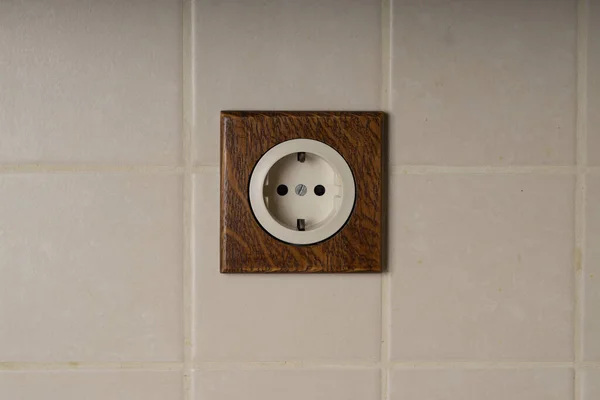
(246,136)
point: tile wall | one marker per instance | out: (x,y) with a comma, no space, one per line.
(109,200)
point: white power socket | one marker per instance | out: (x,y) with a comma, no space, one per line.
(302,191)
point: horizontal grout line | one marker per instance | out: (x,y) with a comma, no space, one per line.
(591,365)
(202,168)
(395,170)
(391,364)
(74,366)
(283,365)
(592,170)
(291,365)
(480,365)
(174,169)
(76,168)
(427,170)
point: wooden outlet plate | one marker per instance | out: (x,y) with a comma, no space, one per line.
(246,136)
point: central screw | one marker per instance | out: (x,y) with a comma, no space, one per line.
(301,190)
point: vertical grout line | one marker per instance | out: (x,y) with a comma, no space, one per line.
(386,26)
(580,189)
(188,187)
(385,334)
(582,64)
(386,29)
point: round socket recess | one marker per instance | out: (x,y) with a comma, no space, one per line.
(302,191)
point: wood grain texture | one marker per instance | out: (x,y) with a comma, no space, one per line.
(246,136)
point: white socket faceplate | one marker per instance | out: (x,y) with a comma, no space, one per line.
(324,214)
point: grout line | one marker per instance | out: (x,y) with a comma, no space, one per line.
(75,366)
(395,170)
(480,365)
(385,330)
(386,25)
(389,365)
(289,365)
(580,190)
(386,86)
(202,168)
(285,365)
(99,168)
(188,185)
(582,44)
(426,169)
(187,83)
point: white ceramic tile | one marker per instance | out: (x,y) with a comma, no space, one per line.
(593,87)
(289,385)
(91,267)
(523,384)
(488,82)
(591,384)
(278,317)
(591,272)
(482,267)
(91,385)
(280,54)
(90,81)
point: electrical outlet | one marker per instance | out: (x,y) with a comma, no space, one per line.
(301,191)
(322,192)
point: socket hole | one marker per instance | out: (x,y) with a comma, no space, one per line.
(282,190)
(319,190)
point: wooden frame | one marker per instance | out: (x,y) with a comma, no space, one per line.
(246,136)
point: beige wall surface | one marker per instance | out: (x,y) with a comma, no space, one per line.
(109,200)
